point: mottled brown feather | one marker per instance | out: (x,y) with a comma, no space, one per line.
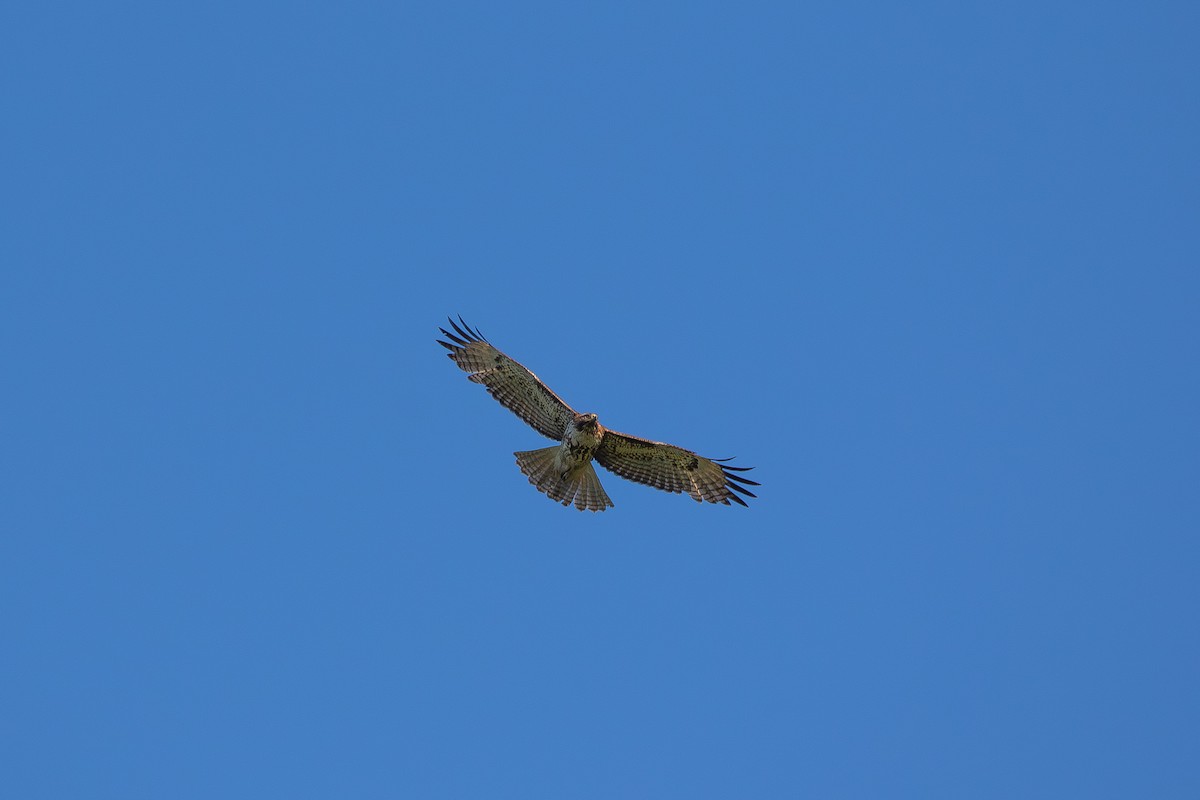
(672,469)
(514,386)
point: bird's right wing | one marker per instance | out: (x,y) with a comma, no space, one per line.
(517,389)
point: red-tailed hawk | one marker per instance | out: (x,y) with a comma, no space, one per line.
(564,472)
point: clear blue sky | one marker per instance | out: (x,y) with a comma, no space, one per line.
(932,268)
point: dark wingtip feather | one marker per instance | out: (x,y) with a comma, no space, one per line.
(473,331)
(466,336)
(465,330)
(740,479)
(734,483)
(741,489)
(453,338)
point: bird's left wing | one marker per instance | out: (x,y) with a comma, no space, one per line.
(672,469)
(517,389)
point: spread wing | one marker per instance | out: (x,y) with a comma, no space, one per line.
(672,469)
(517,389)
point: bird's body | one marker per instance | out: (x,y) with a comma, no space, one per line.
(565,472)
(581,438)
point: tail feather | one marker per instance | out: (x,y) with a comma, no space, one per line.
(581,485)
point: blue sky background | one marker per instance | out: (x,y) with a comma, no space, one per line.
(931,268)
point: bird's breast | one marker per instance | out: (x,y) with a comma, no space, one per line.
(580,444)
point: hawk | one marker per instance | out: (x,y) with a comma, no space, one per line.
(564,472)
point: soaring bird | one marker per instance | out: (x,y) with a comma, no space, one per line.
(564,471)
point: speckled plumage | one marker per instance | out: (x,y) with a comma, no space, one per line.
(564,472)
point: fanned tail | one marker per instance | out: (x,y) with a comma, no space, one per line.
(581,485)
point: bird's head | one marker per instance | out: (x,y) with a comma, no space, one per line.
(585,422)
